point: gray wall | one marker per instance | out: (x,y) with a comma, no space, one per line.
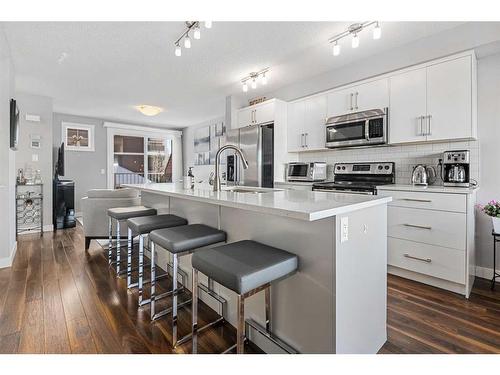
(7,158)
(41,106)
(83,167)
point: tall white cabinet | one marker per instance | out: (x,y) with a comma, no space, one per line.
(434,101)
(306,123)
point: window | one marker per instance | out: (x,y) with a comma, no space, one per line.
(138,160)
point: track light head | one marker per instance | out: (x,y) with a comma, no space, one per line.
(196,32)
(336,49)
(377,32)
(187,41)
(178,50)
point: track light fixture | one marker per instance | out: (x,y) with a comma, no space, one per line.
(190,26)
(253,78)
(354,30)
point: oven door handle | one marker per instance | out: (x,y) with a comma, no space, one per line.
(344,191)
(367,130)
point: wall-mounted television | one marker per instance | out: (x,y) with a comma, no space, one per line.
(14,124)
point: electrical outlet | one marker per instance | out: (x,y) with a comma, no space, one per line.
(103,171)
(344,228)
(34,157)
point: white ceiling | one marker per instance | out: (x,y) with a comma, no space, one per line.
(112,66)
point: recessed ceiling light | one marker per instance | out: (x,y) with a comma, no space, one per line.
(148,110)
(64,56)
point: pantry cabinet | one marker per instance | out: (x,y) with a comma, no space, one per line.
(433,103)
(306,124)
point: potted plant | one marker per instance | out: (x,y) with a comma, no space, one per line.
(492,209)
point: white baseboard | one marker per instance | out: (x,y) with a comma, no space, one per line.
(7,261)
(485,273)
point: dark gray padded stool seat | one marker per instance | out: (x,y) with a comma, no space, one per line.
(146,224)
(244,265)
(188,237)
(124,213)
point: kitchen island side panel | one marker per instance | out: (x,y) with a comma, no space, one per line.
(361,279)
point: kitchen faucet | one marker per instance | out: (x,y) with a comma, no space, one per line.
(217,162)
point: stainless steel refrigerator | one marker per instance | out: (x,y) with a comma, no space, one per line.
(257,144)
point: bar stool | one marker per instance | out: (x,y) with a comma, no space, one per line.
(246,267)
(180,241)
(121,214)
(142,226)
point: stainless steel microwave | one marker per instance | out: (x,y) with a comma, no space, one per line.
(298,171)
(357,129)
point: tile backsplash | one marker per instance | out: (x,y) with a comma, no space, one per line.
(405,157)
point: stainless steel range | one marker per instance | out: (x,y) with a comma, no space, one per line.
(359,178)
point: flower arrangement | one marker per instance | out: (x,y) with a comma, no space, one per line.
(492,208)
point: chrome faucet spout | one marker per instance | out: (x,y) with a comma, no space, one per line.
(240,153)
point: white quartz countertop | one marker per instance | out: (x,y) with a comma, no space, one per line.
(302,205)
(429,189)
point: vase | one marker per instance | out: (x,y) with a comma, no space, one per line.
(496,224)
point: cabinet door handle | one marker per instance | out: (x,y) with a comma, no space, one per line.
(351,101)
(302,140)
(305,138)
(356,100)
(421,119)
(426,260)
(418,226)
(416,200)
(429,127)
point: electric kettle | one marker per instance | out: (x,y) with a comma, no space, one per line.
(423,175)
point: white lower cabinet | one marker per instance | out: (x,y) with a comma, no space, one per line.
(431,238)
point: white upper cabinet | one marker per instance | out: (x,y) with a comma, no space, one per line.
(306,124)
(434,103)
(370,95)
(408,107)
(314,122)
(295,123)
(261,113)
(449,100)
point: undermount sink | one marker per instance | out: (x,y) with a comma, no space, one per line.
(254,190)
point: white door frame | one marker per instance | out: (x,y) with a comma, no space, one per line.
(113,129)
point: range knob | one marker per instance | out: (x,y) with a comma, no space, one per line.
(386,167)
(380,167)
(338,167)
(343,168)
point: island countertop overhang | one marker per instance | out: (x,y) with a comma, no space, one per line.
(297,204)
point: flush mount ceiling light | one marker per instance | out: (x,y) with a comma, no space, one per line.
(253,78)
(148,110)
(193,26)
(354,30)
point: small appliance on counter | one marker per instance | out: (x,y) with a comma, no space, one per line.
(359,178)
(308,172)
(456,168)
(423,175)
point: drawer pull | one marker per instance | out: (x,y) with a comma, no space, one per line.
(417,200)
(418,226)
(426,260)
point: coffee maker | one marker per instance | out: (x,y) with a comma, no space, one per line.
(456,168)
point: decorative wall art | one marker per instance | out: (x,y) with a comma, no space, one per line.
(78,137)
(207,141)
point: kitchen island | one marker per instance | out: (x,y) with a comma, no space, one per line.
(336,302)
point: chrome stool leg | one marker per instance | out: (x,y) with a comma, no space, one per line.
(118,247)
(194,321)
(174,301)
(129,257)
(110,239)
(268,310)
(240,326)
(153,279)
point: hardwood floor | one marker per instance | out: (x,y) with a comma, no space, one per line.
(56,298)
